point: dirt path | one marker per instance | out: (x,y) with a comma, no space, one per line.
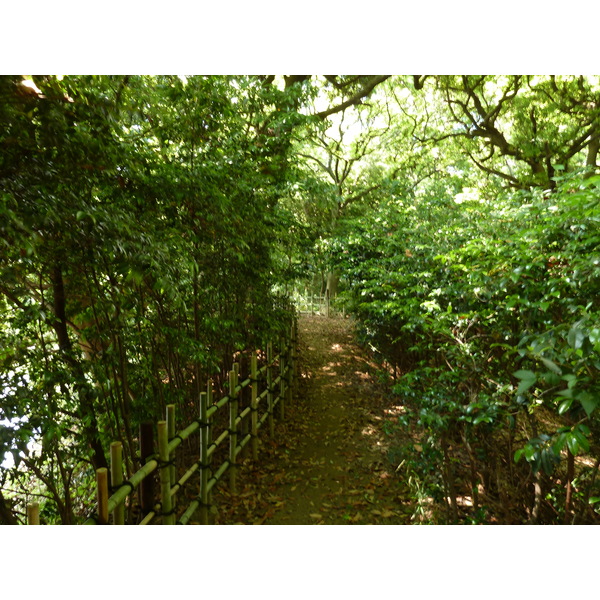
(329,463)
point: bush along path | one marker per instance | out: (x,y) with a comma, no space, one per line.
(330,463)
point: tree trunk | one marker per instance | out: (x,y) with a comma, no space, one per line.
(89,422)
(333,279)
(537,502)
(6,515)
(569,492)
(592,155)
(449,479)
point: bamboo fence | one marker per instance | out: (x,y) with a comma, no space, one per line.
(317,304)
(271,386)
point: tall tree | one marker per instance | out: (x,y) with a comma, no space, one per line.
(522,129)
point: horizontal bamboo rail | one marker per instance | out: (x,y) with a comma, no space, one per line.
(278,390)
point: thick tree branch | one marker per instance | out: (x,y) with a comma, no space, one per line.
(581,142)
(368,190)
(326,168)
(59,302)
(419,81)
(509,93)
(360,195)
(365,91)
(512,180)
(593,150)
(333,79)
(6,515)
(290,80)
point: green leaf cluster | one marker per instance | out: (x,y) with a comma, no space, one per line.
(488,314)
(139,222)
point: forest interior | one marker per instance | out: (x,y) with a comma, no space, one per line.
(157,232)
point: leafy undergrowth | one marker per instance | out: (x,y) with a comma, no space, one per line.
(329,462)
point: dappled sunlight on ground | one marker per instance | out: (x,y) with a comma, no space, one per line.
(332,464)
(331,365)
(465,501)
(362,375)
(585,460)
(369,430)
(395,411)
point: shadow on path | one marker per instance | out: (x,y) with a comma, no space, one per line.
(330,463)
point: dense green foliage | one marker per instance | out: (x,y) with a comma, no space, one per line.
(489,320)
(483,301)
(138,220)
(150,227)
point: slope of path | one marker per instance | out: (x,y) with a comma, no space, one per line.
(330,460)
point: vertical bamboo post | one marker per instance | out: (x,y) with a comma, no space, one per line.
(147,484)
(165,474)
(171,435)
(33,513)
(295,346)
(203,458)
(209,403)
(242,429)
(254,405)
(290,373)
(270,388)
(116,479)
(102,494)
(282,377)
(233,413)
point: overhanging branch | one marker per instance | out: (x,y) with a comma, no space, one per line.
(364,92)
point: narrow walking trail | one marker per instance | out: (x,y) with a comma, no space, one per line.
(329,462)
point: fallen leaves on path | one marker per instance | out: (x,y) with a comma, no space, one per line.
(329,462)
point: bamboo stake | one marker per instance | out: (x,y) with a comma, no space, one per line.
(147,484)
(135,480)
(102,494)
(204,458)
(270,388)
(233,410)
(116,479)
(33,513)
(254,406)
(165,474)
(171,435)
(242,426)
(282,372)
(290,373)
(295,349)
(211,410)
